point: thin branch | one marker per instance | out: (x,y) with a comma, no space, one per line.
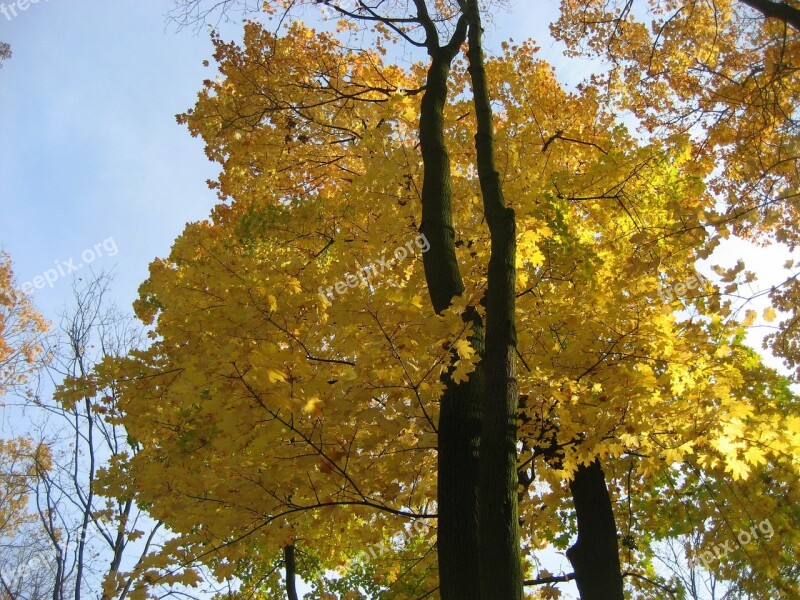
(550,579)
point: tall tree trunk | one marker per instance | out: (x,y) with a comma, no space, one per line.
(290,566)
(595,555)
(501,572)
(458,500)
(460,408)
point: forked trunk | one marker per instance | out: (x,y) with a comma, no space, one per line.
(460,412)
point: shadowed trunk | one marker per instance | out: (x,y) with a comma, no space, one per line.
(290,565)
(460,411)
(501,573)
(595,555)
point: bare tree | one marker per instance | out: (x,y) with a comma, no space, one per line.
(79,541)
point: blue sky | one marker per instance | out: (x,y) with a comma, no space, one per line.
(89,146)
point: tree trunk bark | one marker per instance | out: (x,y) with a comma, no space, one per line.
(290,565)
(595,555)
(501,572)
(459,468)
(460,407)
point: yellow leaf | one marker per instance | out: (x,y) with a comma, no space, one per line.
(273,375)
(755,456)
(312,405)
(464,348)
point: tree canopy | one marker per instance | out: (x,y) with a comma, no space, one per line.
(459,273)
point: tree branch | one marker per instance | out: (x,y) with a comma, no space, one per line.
(776,10)
(550,579)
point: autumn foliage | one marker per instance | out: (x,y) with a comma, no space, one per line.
(269,415)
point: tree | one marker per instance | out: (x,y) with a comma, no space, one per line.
(725,73)
(316,466)
(296,363)
(21,331)
(62,537)
(20,461)
(90,535)
(460,421)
